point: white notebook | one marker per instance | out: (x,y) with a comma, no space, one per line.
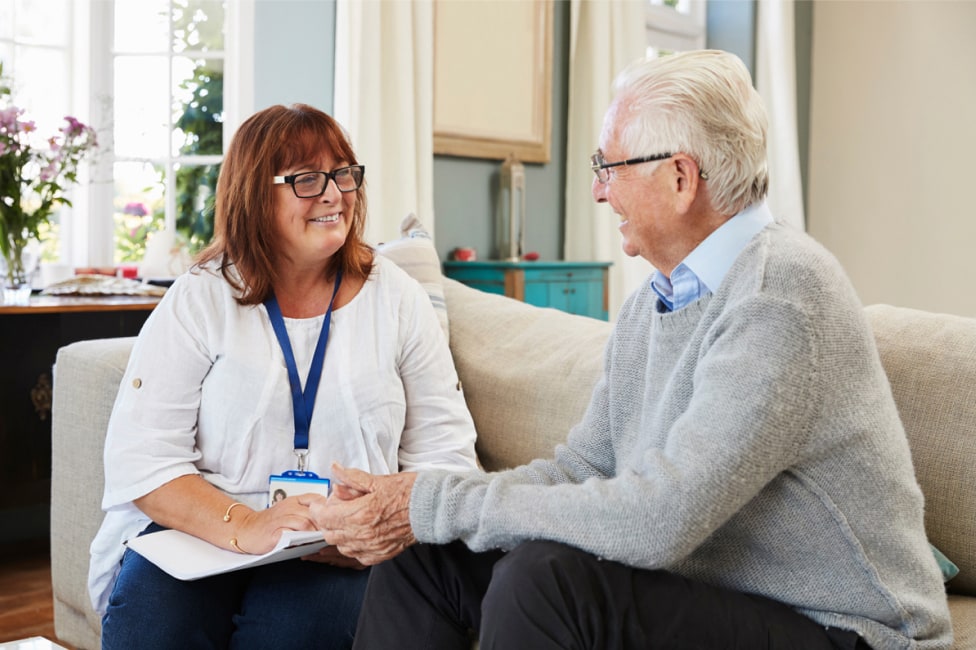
(187,557)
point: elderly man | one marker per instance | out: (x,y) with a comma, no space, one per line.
(740,478)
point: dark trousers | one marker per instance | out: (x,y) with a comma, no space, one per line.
(547,595)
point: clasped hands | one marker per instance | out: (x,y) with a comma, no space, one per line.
(367,516)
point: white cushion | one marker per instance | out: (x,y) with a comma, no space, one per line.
(414,252)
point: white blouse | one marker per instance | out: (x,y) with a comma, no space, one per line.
(206,392)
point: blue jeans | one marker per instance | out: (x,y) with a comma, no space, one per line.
(291,604)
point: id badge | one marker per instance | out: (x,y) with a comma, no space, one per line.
(294,482)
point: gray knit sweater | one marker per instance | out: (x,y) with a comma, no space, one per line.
(749,440)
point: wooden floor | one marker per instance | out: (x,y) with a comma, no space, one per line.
(26,603)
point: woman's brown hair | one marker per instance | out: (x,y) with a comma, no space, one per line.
(245,236)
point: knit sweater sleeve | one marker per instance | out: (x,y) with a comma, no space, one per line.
(672,455)
(439,497)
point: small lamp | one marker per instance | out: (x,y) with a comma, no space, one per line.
(510,227)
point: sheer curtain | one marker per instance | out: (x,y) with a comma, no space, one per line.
(604,38)
(384,97)
(776,83)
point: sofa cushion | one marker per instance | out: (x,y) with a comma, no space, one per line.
(930,360)
(522,407)
(414,252)
(962,609)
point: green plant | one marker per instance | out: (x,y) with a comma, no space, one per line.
(195,185)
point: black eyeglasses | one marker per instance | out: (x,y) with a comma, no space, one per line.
(308,185)
(600,166)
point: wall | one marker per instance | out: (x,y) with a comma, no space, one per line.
(465,189)
(891,140)
(289,34)
(731,26)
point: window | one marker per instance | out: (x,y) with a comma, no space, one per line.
(166,136)
(149,76)
(35,48)
(674,25)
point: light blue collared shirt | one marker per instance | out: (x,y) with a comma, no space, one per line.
(703,270)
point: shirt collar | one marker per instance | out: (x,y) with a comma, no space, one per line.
(706,266)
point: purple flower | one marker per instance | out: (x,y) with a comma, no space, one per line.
(40,175)
(135,209)
(8,118)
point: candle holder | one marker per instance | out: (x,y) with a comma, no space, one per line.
(510,224)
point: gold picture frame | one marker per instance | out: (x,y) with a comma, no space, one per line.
(493,79)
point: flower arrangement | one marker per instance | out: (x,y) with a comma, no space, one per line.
(33,180)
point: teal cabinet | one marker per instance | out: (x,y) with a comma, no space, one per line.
(574,287)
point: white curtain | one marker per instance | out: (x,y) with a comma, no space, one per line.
(605,37)
(776,83)
(384,97)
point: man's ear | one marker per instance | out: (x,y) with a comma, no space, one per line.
(688,179)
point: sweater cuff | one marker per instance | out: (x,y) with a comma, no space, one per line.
(423,504)
(445,506)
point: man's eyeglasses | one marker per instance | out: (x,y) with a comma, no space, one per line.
(600,166)
(308,185)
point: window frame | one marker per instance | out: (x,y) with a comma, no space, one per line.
(87,230)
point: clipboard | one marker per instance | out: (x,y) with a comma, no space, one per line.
(186,557)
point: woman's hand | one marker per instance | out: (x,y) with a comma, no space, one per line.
(368,516)
(189,503)
(260,530)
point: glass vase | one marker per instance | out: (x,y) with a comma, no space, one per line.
(17,272)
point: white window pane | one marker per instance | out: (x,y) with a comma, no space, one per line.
(6,23)
(42,22)
(142,25)
(198,25)
(141,106)
(138,208)
(41,87)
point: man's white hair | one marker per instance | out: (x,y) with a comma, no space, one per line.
(701,103)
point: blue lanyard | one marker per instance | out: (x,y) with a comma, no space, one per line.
(303,403)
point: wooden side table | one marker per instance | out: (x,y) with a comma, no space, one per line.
(30,336)
(574,287)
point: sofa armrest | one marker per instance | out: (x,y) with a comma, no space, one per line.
(930,360)
(86,380)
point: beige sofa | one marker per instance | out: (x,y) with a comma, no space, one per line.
(527,376)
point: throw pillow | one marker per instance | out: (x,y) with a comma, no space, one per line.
(947,566)
(414,252)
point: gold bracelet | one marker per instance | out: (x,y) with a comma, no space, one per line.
(233,542)
(229,508)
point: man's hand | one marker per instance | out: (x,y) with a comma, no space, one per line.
(368,516)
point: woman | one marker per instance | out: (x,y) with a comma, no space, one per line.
(220,396)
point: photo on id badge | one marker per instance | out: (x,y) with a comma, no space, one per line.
(293,483)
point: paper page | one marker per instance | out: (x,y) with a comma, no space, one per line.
(187,557)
